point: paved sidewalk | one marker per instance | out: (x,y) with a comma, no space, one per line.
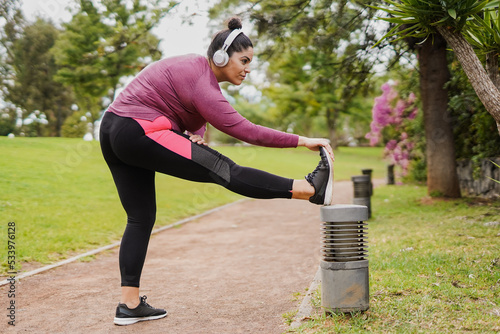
(236,270)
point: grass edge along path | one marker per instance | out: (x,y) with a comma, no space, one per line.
(113,245)
(434,267)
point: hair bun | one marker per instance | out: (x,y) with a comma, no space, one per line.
(234,23)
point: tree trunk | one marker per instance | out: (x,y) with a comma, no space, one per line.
(331,122)
(492,68)
(59,118)
(442,178)
(479,79)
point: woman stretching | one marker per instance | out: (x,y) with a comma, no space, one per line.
(157,124)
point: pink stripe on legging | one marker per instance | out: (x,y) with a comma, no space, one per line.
(160,131)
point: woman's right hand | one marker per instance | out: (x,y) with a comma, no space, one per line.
(315,143)
(198,140)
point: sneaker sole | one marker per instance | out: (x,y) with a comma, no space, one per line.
(130,321)
(329,185)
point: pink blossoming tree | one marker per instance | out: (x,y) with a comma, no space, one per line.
(390,113)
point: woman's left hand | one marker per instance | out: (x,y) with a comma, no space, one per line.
(198,140)
(315,143)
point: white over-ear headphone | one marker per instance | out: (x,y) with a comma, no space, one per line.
(221,58)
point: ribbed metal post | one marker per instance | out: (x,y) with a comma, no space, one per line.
(344,267)
(362,192)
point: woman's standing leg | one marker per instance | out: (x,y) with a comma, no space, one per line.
(136,189)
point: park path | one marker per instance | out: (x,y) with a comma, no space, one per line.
(235,270)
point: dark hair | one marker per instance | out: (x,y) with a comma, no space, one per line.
(242,42)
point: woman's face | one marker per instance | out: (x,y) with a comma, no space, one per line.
(238,67)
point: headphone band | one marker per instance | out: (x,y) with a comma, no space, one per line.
(229,40)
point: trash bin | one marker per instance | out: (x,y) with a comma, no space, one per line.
(369,173)
(390,175)
(362,192)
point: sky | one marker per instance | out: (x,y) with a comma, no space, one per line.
(177,37)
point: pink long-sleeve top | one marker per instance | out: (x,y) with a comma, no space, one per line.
(186,91)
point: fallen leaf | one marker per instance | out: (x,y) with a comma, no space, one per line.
(457,284)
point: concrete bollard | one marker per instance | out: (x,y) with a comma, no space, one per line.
(344,267)
(362,190)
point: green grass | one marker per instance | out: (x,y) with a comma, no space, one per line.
(434,267)
(60,194)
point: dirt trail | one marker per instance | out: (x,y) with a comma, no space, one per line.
(235,270)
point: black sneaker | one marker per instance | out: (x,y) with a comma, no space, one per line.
(322,180)
(144,311)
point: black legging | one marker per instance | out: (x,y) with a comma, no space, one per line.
(134,153)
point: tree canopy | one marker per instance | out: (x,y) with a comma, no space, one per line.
(102,44)
(28,72)
(458,21)
(317,55)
